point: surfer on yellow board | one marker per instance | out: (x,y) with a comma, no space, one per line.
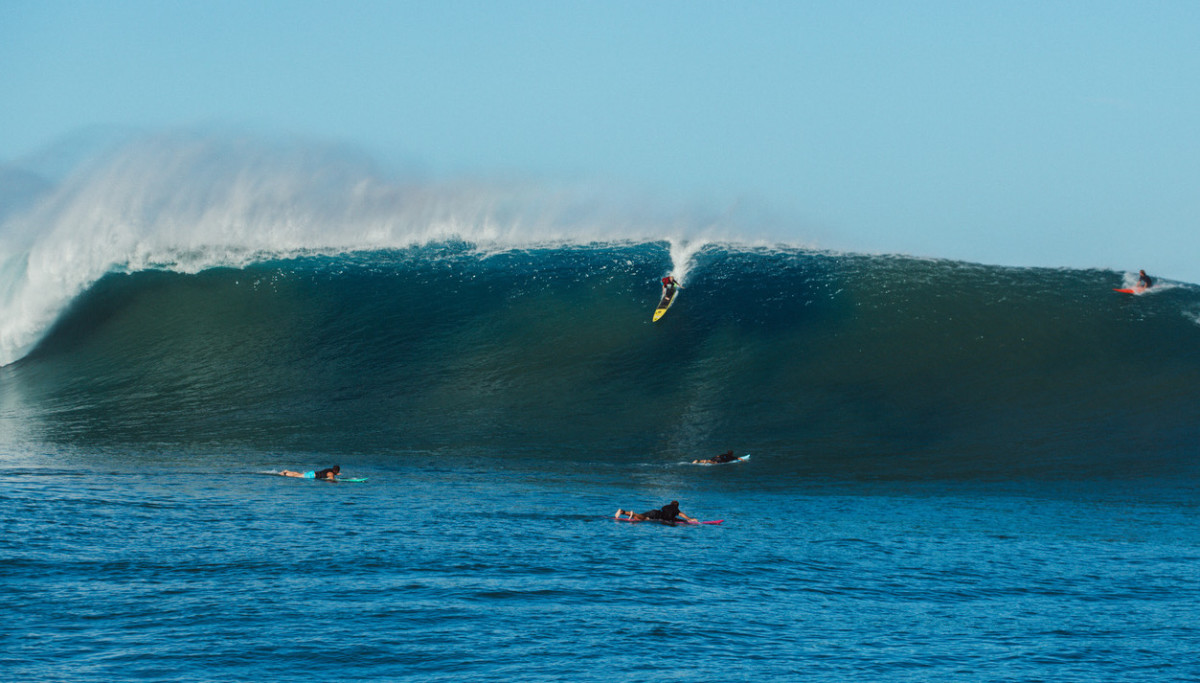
(670,286)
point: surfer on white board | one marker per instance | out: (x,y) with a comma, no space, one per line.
(721,459)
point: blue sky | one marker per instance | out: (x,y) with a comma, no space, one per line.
(1051,133)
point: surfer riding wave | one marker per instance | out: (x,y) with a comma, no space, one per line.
(669,286)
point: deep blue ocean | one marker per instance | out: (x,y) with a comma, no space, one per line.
(958,472)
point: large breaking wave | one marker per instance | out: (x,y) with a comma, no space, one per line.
(187,202)
(209,294)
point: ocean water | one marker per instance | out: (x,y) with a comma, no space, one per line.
(959,472)
(464,570)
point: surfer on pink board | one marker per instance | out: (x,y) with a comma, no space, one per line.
(667,513)
(1144,282)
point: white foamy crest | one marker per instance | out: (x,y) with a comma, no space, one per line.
(682,251)
(191,202)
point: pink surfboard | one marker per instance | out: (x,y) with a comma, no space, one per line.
(714,521)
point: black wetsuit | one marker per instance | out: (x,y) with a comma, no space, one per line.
(1145,281)
(727,456)
(667,513)
(325,473)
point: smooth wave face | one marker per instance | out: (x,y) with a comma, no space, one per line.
(842,366)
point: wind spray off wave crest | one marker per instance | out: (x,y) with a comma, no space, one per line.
(190,202)
(682,253)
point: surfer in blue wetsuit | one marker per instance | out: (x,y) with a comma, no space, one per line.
(1144,280)
(327,473)
(667,513)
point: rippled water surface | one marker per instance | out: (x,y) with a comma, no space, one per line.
(473,570)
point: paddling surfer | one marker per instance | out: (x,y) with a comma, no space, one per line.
(721,459)
(667,513)
(327,473)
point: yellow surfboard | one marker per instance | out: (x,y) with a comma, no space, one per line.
(665,302)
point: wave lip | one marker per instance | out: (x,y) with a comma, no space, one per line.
(187,202)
